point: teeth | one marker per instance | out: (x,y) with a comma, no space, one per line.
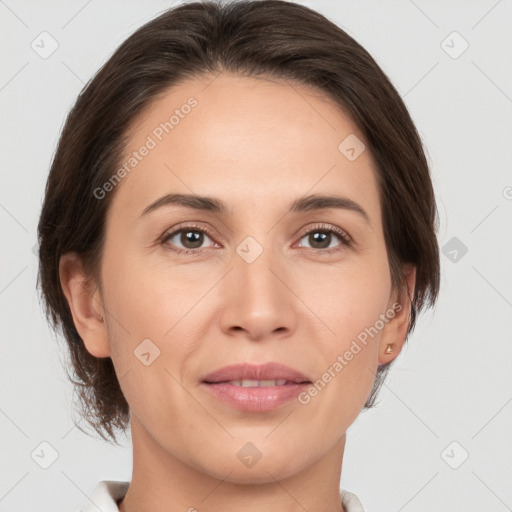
(248,383)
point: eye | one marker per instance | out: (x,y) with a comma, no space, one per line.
(321,237)
(191,239)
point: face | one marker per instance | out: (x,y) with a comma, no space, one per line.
(189,290)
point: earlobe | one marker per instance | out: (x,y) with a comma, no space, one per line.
(85,304)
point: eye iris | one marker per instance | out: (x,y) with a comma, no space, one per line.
(320,237)
(193,237)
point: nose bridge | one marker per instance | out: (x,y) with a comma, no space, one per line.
(258,300)
(256,264)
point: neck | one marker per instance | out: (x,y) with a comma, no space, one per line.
(162,482)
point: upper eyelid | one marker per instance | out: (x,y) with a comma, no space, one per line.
(342,233)
(178,229)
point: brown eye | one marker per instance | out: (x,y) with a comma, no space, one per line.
(186,239)
(322,238)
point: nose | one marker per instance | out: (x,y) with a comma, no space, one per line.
(259,300)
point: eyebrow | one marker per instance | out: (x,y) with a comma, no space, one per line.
(303,204)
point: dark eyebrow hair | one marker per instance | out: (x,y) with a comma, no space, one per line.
(317,202)
(303,204)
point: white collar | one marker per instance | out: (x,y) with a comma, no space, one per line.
(107,493)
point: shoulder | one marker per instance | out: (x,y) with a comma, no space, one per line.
(351,502)
(105,495)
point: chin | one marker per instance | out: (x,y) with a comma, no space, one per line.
(265,470)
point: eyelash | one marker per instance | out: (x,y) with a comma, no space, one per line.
(344,237)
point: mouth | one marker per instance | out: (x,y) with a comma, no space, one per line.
(268,374)
(251,383)
(255,388)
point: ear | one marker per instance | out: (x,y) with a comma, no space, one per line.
(85,303)
(395,331)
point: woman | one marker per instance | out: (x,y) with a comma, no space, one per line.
(238,232)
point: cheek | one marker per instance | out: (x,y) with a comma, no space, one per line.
(151,332)
(145,298)
(349,304)
(347,297)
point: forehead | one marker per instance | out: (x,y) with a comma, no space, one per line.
(249,141)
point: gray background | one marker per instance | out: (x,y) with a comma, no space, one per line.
(452,382)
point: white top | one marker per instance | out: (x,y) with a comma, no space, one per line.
(108,493)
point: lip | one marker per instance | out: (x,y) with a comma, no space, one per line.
(267,371)
(255,399)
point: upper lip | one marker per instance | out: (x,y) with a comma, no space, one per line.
(267,371)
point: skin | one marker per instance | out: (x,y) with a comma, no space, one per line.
(257,145)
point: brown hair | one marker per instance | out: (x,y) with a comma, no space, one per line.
(271,38)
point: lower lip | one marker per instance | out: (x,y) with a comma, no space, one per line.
(255,399)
